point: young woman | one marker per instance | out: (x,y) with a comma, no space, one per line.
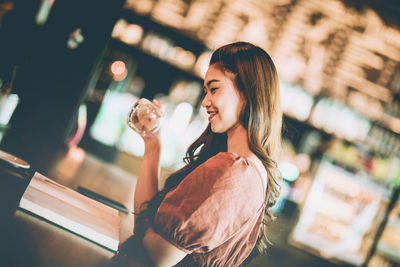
(213,211)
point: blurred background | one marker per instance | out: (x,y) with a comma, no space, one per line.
(71,70)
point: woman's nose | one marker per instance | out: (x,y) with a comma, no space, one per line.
(206,101)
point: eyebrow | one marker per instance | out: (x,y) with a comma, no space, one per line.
(211,81)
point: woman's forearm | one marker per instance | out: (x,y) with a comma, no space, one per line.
(147,183)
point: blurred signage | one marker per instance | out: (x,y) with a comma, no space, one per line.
(341,215)
(336,118)
(323,46)
(295,101)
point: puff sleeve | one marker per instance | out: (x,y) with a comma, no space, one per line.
(211,204)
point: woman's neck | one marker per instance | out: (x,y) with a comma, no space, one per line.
(238,141)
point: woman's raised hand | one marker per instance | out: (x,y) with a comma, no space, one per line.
(152,139)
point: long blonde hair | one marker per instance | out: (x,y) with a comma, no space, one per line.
(257,79)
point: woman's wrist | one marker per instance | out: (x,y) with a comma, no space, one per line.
(151,141)
(153,147)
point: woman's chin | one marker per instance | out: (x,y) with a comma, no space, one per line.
(216,129)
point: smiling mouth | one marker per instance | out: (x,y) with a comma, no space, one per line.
(211,115)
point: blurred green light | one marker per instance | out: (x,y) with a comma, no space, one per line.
(289,171)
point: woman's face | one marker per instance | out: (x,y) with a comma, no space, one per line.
(222,100)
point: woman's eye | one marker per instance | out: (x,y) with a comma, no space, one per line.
(212,90)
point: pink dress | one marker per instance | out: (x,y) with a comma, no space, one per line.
(215,213)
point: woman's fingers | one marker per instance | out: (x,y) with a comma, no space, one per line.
(159,106)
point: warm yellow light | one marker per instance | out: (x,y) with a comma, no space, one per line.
(118,67)
(120,77)
(76,154)
(119,28)
(394,124)
(132,34)
(202,62)
(182,57)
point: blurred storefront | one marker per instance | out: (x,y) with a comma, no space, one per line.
(339,66)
